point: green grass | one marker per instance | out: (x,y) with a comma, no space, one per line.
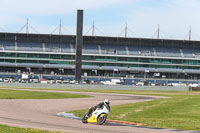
(181,111)
(7,129)
(18,94)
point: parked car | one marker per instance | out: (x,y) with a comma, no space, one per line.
(43,81)
(72,81)
(155,84)
(142,83)
(193,85)
(6,80)
(34,80)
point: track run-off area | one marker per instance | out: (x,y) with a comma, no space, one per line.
(42,113)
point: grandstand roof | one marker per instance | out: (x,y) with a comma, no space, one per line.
(23,37)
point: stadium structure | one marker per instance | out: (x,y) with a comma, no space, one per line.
(102,56)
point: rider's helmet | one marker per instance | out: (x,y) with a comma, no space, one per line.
(106,101)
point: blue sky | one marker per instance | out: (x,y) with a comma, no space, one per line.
(110,16)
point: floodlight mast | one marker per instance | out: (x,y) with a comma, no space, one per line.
(60,28)
(93,29)
(79,45)
(126,30)
(27,26)
(190,33)
(158,36)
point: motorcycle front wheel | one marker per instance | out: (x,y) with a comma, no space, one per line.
(101,119)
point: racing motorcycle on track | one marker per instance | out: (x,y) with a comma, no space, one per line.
(99,116)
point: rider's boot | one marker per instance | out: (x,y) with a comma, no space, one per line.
(87,115)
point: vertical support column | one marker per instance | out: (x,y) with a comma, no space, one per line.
(154,52)
(71,48)
(16,47)
(127,50)
(43,47)
(99,48)
(79,45)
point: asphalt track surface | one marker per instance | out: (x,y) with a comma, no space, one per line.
(42,113)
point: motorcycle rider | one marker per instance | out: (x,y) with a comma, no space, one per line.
(106,103)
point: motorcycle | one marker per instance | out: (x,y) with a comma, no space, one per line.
(99,116)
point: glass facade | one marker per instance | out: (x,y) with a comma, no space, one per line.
(101,55)
(105,60)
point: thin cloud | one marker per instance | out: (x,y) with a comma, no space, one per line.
(174,18)
(142,16)
(14,12)
(51,7)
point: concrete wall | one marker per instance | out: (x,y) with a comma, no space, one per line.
(97,87)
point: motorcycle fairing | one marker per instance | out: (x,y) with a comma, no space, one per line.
(92,119)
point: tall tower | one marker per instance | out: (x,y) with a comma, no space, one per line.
(79,45)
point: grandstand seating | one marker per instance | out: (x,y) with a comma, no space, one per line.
(29,47)
(113,49)
(57,47)
(191,53)
(168,52)
(90,48)
(102,49)
(127,57)
(7,45)
(140,51)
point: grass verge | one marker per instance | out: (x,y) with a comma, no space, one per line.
(155,93)
(18,94)
(7,129)
(181,111)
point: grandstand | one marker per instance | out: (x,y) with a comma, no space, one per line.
(102,56)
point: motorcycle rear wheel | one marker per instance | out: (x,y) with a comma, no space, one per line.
(84,119)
